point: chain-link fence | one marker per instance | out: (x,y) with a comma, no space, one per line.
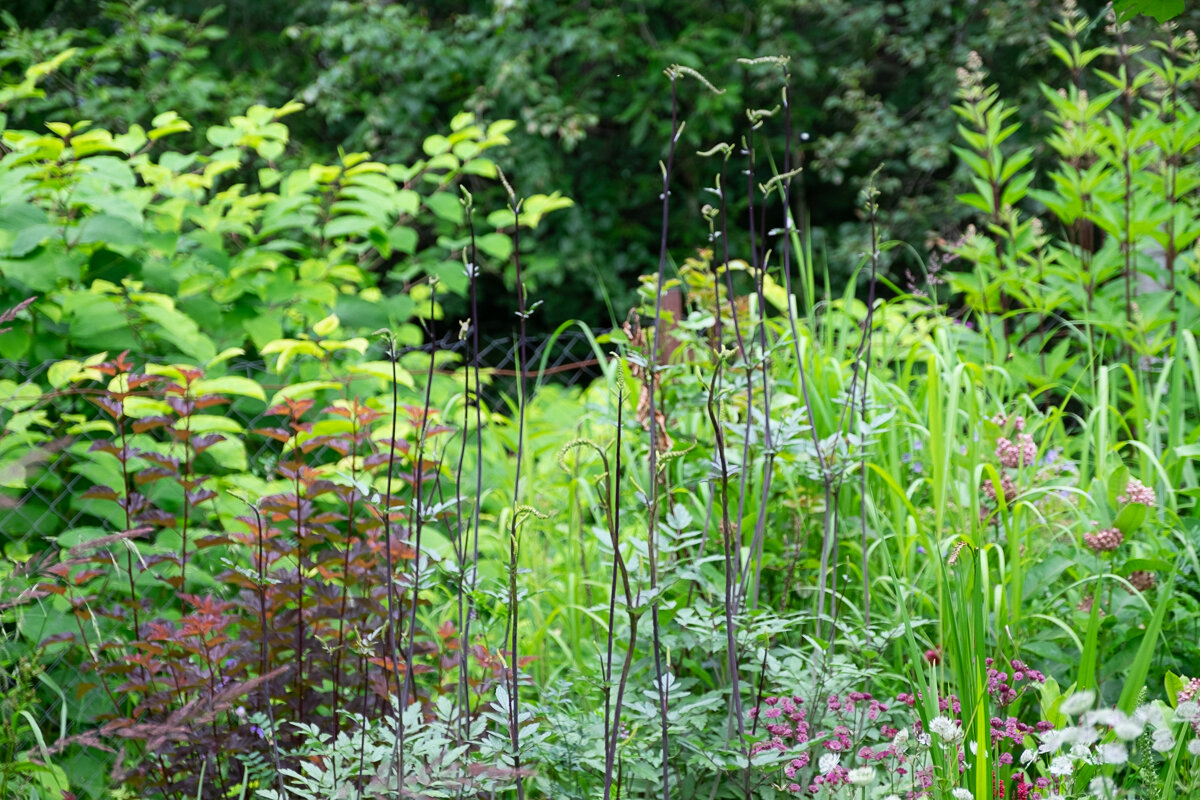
(45,505)
(45,469)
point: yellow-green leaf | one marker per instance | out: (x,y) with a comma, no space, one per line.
(230,384)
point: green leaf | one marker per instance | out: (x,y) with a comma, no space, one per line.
(229,384)
(139,407)
(230,454)
(445,206)
(348,225)
(16,217)
(1174,685)
(1161,10)
(111,230)
(300,390)
(1130,518)
(383,371)
(407,202)
(206,423)
(497,245)
(435,145)
(402,239)
(326,326)
(181,331)
(263,330)
(30,238)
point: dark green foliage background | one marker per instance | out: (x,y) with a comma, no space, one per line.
(585,82)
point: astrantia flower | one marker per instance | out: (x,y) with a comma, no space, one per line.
(827,762)
(945,728)
(1028,756)
(1077,703)
(1188,711)
(1102,787)
(962,794)
(1052,741)
(861,776)
(1162,740)
(900,739)
(1113,753)
(1194,747)
(1081,752)
(1149,714)
(1061,766)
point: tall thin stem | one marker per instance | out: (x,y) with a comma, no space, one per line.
(514,687)
(651,380)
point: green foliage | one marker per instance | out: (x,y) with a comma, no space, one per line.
(1161,10)
(130,63)
(131,245)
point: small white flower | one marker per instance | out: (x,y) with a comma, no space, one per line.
(1188,711)
(1052,741)
(1102,787)
(945,728)
(1028,756)
(1106,717)
(924,739)
(861,776)
(1194,747)
(900,739)
(1077,703)
(1061,766)
(1128,729)
(1162,740)
(827,762)
(892,797)
(962,794)
(1113,753)
(1149,714)
(1086,735)
(1081,752)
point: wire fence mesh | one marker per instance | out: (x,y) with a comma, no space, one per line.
(44,481)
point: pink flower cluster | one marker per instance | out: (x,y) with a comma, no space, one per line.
(849,743)
(1105,540)
(835,777)
(1006,485)
(1005,688)
(1013,730)
(1001,421)
(785,719)
(948,703)
(853,699)
(1016,454)
(1137,492)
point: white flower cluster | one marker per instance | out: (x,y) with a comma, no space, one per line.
(946,728)
(1088,742)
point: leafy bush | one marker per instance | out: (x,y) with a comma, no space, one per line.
(133,246)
